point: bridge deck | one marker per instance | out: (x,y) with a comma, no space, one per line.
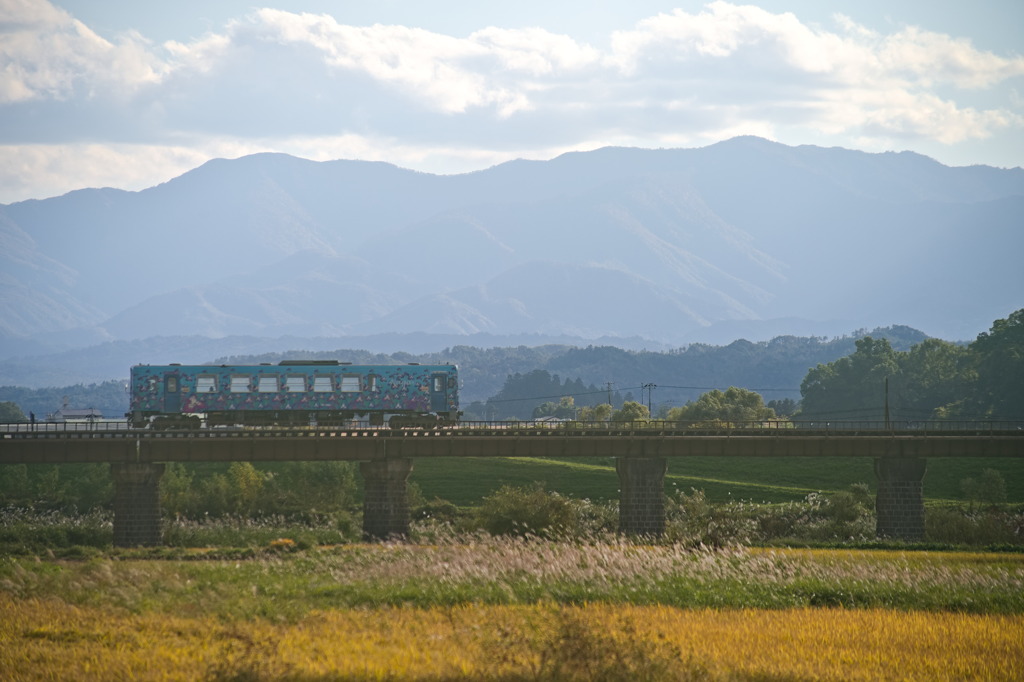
(115,442)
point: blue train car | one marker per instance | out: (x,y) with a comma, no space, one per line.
(293,393)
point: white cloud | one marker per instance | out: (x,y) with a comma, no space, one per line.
(535,51)
(719,33)
(931,58)
(904,115)
(86,104)
(425,66)
(44,170)
(765,68)
(47,54)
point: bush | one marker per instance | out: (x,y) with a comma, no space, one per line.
(24,530)
(242,531)
(843,516)
(964,526)
(437,509)
(286,489)
(535,511)
(988,489)
(690,519)
(64,487)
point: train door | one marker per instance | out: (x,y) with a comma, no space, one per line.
(172,392)
(439,393)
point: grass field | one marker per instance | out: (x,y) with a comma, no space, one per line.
(270,602)
(47,640)
(501,609)
(466,481)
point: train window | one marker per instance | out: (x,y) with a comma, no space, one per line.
(206,383)
(171,384)
(438,384)
(295,383)
(322,385)
(239,383)
(267,384)
(350,384)
(371,382)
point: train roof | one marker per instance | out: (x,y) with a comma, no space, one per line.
(298,363)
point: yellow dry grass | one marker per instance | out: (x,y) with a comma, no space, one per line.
(43,639)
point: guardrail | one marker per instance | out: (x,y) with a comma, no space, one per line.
(114,428)
(114,442)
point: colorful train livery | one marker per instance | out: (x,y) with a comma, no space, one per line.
(293,393)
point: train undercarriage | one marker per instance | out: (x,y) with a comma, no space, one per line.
(290,418)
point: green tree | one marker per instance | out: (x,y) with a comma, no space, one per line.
(176,489)
(286,488)
(565,408)
(526,511)
(70,487)
(989,488)
(852,387)
(999,354)
(246,485)
(933,374)
(784,407)
(310,486)
(10,412)
(597,413)
(631,411)
(523,393)
(732,405)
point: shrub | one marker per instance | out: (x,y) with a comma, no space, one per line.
(692,520)
(843,516)
(964,526)
(988,489)
(527,511)
(241,531)
(64,487)
(26,530)
(285,489)
(437,509)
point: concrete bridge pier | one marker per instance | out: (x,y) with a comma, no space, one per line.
(137,520)
(642,495)
(899,503)
(385,498)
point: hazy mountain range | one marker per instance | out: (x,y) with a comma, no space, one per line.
(742,239)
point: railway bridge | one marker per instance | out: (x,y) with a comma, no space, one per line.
(137,458)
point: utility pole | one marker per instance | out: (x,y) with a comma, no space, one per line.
(650,390)
(886,403)
(610,394)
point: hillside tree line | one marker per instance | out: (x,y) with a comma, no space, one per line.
(934,379)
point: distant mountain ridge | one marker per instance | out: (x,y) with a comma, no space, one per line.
(737,239)
(775,368)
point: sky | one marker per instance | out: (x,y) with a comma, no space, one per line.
(129,94)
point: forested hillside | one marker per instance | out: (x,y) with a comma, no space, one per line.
(933,380)
(774,368)
(109,397)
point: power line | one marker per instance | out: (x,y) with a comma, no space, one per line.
(641,388)
(544,397)
(718,388)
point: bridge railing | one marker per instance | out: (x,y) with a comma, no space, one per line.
(767,427)
(65,427)
(121,427)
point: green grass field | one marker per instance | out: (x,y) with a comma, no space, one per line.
(509,610)
(465,481)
